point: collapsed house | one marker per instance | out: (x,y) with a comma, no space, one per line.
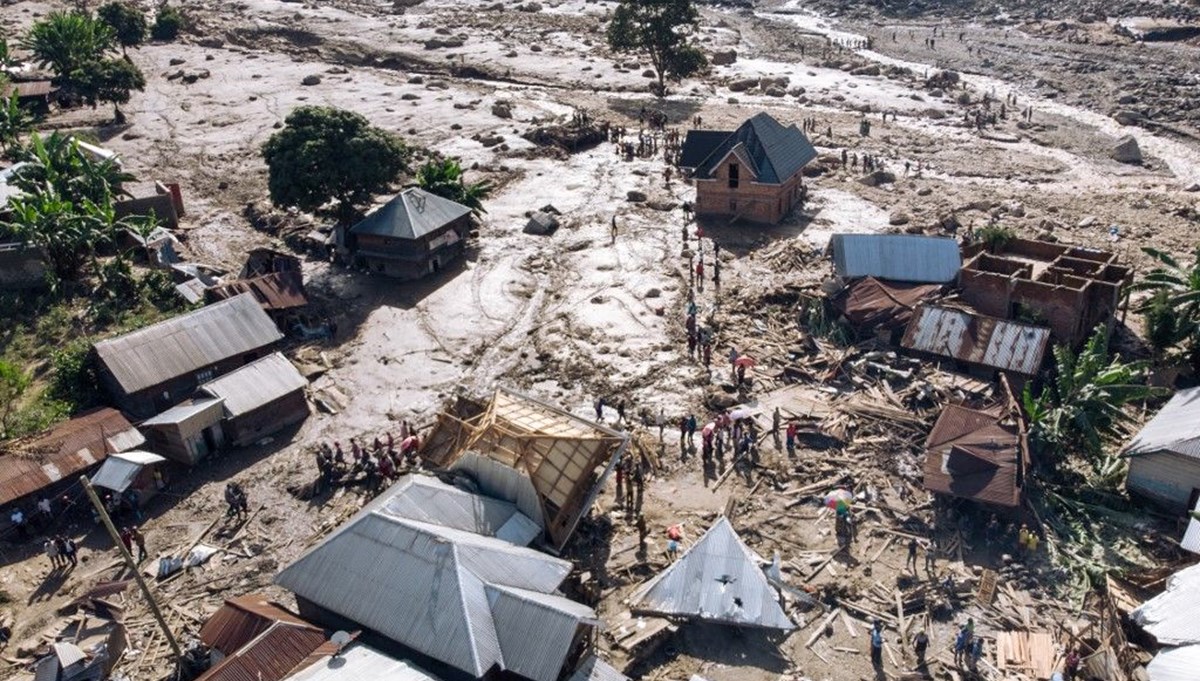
(446,573)
(413,235)
(880,307)
(154,368)
(1164,457)
(1070,289)
(140,473)
(896,257)
(275,279)
(982,346)
(44,464)
(188,432)
(979,455)
(752,173)
(718,579)
(164,205)
(548,462)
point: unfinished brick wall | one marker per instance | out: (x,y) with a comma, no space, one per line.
(765,203)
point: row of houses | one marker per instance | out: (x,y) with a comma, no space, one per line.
(182,389)
(1010,303)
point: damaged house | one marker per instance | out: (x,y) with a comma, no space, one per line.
(980,345)
(1164,457)
(550,463)
(981,455)
(446,573)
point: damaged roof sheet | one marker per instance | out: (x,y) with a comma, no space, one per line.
(967,337)
(1175,428)
(1171,617)
(974,455)
(718,579)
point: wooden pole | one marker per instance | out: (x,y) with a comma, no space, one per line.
(137,574)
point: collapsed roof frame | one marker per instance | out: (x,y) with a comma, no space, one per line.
(557,451)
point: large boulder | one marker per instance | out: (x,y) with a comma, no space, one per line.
(635,196)
(743,84)
(723,57)
(1127,150)
(502,109)
(878,177)
(541,223)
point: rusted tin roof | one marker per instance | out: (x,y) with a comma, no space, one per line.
(184,344)
(274,654)
(67,449)
(241,620)
(967,337)
(275,291)
(873,303)
(28,88)
(977,455)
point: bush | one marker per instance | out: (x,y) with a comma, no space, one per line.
(160,291)
(74,379)
(994,237)
(167,24)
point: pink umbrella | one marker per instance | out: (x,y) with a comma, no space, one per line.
(709,428)
(745,361)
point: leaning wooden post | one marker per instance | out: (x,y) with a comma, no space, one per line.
(137,575)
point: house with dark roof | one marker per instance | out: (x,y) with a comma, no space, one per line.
(752,173)
(157,367)
(413,235)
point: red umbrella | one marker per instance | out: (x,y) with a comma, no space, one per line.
(745,361)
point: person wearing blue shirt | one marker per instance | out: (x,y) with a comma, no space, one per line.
(877,645)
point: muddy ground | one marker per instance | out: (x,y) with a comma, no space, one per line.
(571,316)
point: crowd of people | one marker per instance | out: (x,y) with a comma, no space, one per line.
(385,460)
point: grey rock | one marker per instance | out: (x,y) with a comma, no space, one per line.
(541,223)
(1127,151)
(723,57)
(635,196)
(311,80)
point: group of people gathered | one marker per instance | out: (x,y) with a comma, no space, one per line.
(384,461)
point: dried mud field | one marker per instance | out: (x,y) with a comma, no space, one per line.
(572,315)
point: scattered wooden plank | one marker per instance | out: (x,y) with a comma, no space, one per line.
(821,627)
(849,624)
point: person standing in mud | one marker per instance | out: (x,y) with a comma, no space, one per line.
(614,230)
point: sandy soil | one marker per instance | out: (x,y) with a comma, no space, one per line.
(572,316)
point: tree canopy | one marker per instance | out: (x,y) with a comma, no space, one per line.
(69,41)
(663,30)
(445,178)
(326,154)
(127,21)
(111,80)
(167,23)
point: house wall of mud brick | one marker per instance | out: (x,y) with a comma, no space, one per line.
(764,203)
(1065,310)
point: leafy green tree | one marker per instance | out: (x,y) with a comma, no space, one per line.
(1173,311)
(73,375)
(68,41)
(109,80)
(167,23)
(663,30)
(326,154)
(13,384)
(14,122)
(445,178)
(127,21)
(1085,402)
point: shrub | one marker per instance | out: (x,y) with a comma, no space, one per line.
(167,23)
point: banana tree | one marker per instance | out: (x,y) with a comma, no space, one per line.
(445,179)
(1173,311)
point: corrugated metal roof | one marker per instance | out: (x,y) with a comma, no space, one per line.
(187,343)
(774,153)
(536,630)
(257,384)
(897,257)
(204,409)
(68,653)
(501,481)
(974,455)
(699,145)
(872,304)
(119,470)
(274,654)
(991,342)
(1175,428)
(241,620)
(595,669)
(411,215)
(420,584)
(275,291)
(1175,664)
(359,662)
(1171,617)
(420,497)
(28,88)
(1191,537)
(65,450)
(717,579)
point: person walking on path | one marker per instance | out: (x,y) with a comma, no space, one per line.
(1022,539)
(69,550)
(662,424)
(621,410)
(621,474)
(691,430)
(708,357)
(930,559)
(791,439)
(920,644)
(127,539)
(614,230)
(51,550)
(700,274)
(912,555)
(599,406)
(683,433)
(976,652)
(961,644)
(639,480)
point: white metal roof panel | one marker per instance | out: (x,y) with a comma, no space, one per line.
(992,342)
(1191,537)
(202,409)
(595,669)
(536,630)
(257,384)
(1175,664)
(717,579)
(1170,617)
(119,470)
(359,662)
(898,257)
(427,499)
(1175,428)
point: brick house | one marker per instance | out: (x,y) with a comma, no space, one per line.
(411,236)
(752,173)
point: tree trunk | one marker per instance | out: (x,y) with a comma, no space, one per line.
(118,117)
